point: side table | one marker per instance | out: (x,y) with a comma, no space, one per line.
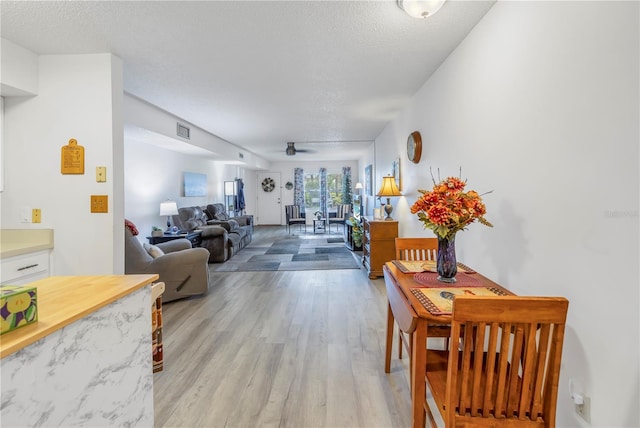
(193,236)
(319,225)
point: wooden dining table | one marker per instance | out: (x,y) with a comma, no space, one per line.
(408,308)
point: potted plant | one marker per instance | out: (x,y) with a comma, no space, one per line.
(156,231)
(356,231)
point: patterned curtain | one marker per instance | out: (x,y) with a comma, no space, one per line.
(298,188)
(346,185)
(323,191)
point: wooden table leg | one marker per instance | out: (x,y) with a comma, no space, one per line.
(389,344)
(418,370)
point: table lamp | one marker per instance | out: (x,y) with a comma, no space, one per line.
(168,208)
(388,189)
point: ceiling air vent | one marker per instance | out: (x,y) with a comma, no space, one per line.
(241,155)
(184,132)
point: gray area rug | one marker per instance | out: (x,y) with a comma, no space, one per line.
(292,253)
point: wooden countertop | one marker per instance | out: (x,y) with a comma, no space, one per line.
(65,299)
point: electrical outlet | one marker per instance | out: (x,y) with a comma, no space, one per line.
(584,409)
(101,174)
(99,204)
(36,215)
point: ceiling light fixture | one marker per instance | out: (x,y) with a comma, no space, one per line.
(420,8)
(291,150)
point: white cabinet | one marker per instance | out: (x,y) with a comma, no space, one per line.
(25,268)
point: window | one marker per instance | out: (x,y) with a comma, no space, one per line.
(312,191)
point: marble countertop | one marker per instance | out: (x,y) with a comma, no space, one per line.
(14,242)
(65,299)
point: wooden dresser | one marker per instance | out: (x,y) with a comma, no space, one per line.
(378,244)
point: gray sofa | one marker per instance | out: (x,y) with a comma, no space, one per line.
(242,225)
(183,269)
(222,242)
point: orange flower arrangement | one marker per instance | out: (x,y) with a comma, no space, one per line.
(448,209)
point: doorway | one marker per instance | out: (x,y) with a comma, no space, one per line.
(269,198)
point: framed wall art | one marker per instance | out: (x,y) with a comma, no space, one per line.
(368,180)
(395,171)
(195,184)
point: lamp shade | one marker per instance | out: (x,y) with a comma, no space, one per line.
(389,187)
(168,208)
(358,185)
(420,8)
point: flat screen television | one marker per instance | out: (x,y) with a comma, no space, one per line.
(195,184)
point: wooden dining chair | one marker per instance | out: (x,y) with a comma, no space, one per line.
(416,249)
(505,369)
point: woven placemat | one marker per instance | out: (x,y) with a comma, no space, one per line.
(439,300)
(430,279)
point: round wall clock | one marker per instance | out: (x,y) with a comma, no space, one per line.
(414,147)
(268,184)
(289,185)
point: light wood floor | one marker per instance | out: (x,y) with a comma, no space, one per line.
(281,349)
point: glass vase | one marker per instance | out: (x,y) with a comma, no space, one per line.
(446,260)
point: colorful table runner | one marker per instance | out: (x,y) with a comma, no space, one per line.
(430,279)
(410,266)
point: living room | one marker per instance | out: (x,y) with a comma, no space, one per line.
(538,104)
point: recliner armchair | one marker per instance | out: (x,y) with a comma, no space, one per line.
(242,225)
(217,212)
(184,270)
(222,245)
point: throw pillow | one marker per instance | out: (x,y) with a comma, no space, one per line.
(153,250)
(131,227)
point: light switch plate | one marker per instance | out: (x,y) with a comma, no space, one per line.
(101,174)
(36,215)
(99,203)
(25,215)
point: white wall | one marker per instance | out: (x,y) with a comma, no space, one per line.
(540,104)
(146,116)
(79,96)
(153,174)
(18,70)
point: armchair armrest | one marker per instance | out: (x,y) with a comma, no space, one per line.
(174,245)
(178,263)
(243,220)
(230,225)
(211,231)
(185,273)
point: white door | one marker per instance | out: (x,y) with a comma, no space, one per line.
(269,196)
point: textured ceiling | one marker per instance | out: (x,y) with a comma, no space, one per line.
(259,73)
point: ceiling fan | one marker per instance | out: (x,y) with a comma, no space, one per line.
(291,150)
